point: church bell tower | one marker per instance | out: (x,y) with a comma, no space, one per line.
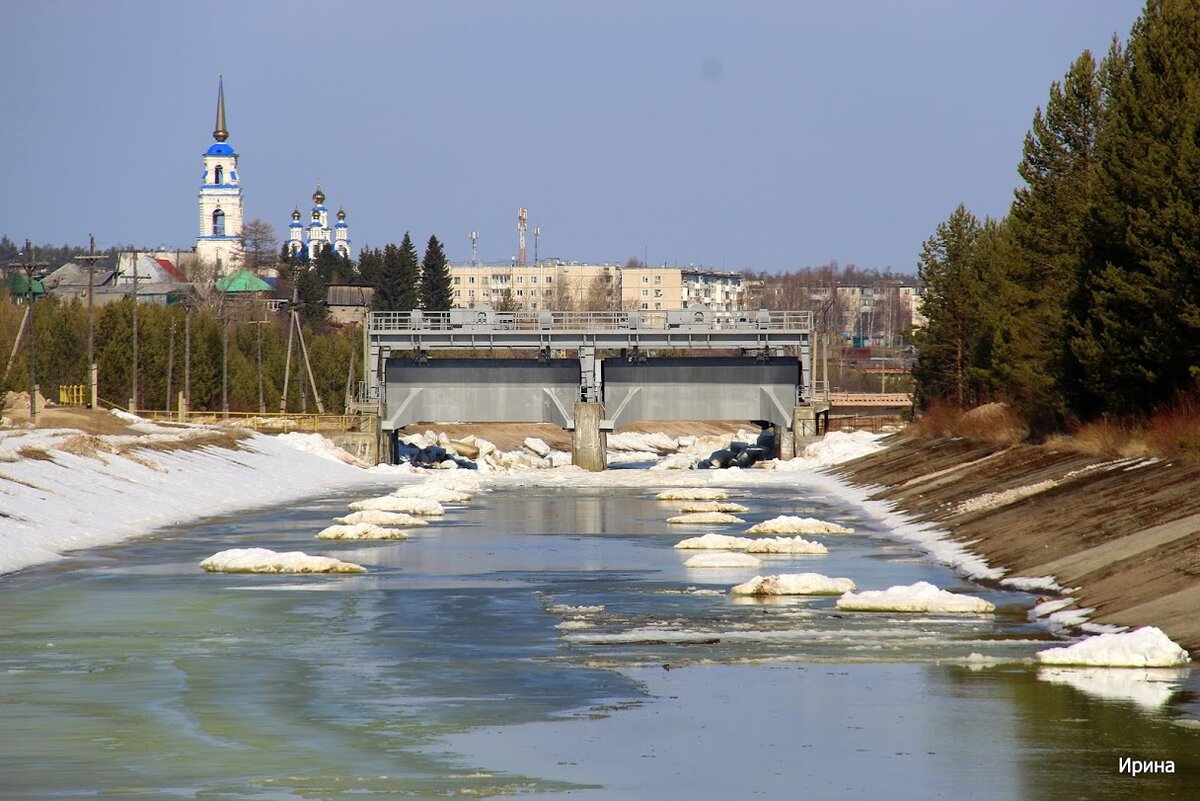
(219,243)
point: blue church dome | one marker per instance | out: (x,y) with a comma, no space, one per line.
(220,149)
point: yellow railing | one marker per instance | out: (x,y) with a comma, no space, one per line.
(265,421)
(71,395)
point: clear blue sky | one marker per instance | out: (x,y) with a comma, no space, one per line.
(728,133)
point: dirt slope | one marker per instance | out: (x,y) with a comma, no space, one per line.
(1126,532)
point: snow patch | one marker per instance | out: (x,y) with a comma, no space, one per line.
(263,560)
(994,500)
(318,445)
(767,545)
(1144,647)
(794,584)
(433,492)
(788,524)
(919,597)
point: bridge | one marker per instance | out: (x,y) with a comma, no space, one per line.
(589,372)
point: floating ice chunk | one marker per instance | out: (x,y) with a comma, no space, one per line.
(567,609)
(785,545)
(459,482)
(787,524)
(361,531)
(713,506)
(263,560)
(1147,687)
(794,584)
(1144,647)
(722,559)
(704,517)
(693,494)
(715,542)
(919,597)
(394,503)
(380,518)
(434,492)
(538,446)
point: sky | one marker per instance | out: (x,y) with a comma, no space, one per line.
(761,134)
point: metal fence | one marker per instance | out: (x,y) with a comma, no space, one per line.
(547,320)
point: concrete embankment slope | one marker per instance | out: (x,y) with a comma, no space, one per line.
(1126,532)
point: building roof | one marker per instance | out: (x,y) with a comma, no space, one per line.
(172,270)
(349,295)
(242,281)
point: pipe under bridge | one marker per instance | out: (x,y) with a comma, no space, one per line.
(590,372)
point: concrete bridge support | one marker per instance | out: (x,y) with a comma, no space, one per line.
(804,427)
(590,442)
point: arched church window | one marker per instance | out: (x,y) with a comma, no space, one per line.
(218,223)
(219,175)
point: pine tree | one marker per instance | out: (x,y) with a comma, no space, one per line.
(1137,315)
(311,296)
(949,344)
(436,294)
(1043,246)
(370,265)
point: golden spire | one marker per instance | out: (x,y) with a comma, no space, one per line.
(221,134)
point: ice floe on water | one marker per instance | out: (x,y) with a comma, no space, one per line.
(794,584)
(919,597)
(361,531)
(1144,647)
(381,518)
(769,545)
(1147,687)
(395,503)
(795,546)
(263,560)
(690,507)
(723,559)
(704,518)
(434,492)
(693,494)
(789,524)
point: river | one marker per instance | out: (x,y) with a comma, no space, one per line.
(548,640)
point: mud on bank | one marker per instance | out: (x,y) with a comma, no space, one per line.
(1126,532)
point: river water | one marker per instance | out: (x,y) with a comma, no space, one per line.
(549,640)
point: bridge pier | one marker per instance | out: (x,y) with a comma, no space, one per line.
(785,443)
(804,427)
(589,441)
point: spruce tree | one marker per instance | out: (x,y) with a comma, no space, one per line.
(396,288)
(328,264)
(1137,315)
(436,294)
(953,304)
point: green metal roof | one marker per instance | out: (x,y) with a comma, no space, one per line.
(242,281)
(18,284)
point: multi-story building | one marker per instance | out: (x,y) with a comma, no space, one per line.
(567,285)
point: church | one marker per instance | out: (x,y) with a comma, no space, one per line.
(312,238)
(219,242)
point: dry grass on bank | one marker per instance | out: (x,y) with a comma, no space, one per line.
(993,422)
(1171,433)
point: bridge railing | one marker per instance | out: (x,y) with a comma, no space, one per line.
(487,319)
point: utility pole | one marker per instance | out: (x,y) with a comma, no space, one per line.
(186,406)
(30,265)
(91,258)
(133,394)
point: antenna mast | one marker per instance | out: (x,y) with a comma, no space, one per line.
(474,248)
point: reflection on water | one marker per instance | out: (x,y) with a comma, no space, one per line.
(530,642)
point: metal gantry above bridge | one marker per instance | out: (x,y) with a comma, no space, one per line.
(682,329)
(486,379)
